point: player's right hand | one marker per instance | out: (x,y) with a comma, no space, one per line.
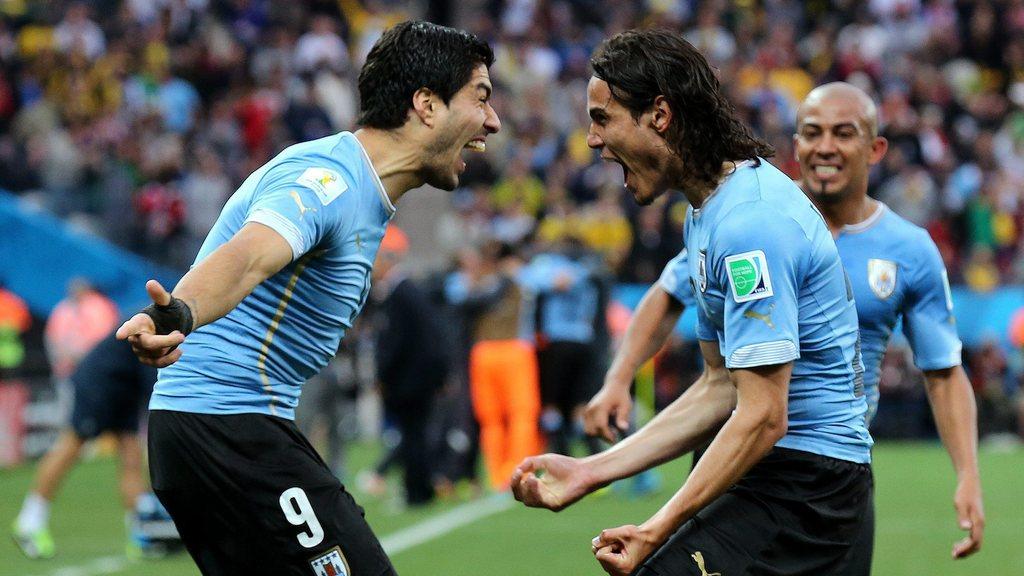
(151,348)
(608,412)
(551,481)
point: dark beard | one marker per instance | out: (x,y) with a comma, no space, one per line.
(437,175)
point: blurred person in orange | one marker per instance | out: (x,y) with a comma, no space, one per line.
(76,325)
(14,321)
(503,371)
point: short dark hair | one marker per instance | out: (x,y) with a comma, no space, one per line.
(640,65)
(413,55)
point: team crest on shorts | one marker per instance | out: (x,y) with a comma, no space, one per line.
(332,563)
(882,277)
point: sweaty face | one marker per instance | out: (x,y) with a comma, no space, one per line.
(632,143)
(835,148)
(461,125)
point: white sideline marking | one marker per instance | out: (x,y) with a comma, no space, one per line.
(97,567)
(395,543)
(448,522)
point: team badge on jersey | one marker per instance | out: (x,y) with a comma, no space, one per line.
(327,184)
(748,276)
(332,563)
(702,270)
(882,277)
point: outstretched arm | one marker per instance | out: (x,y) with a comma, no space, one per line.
(652,322)
(209,290)
(956,417)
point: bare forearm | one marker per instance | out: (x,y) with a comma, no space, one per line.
(653,321)
(218,283)
(740,444)
(678,429)
(956,417)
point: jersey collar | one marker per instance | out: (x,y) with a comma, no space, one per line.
(867,222)
(384,199)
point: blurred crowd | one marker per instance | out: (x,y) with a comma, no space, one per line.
(165,106)
(136,119)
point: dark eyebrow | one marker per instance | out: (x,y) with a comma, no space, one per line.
(486,88)
(597,114)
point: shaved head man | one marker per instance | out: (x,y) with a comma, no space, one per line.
(896,273)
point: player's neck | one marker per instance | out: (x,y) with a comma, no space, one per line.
(849,212)
(396,164)
(696,197)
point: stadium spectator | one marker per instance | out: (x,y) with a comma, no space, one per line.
(77,33)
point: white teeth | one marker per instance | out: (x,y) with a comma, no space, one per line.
(826,170)
(477,146)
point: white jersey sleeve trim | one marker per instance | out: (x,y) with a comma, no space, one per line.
(283,226)
(764,354)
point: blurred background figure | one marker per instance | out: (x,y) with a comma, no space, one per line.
(15,320)
(412,362)
(569,285)
(76,324)
(111,391)
(328,414)
(503,373)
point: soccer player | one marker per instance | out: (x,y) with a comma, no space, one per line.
(895,272)
(279,279)
(111,388)
(785,484)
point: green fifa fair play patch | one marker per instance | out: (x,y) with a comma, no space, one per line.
(748,276)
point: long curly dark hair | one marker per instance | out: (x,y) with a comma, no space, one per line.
(640,65)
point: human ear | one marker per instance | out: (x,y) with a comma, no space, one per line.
(423,101)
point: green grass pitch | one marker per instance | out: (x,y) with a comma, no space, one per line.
(916,524)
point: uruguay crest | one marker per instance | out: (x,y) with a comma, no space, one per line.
(332,563)
(882,277)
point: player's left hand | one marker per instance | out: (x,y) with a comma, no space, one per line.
(151,348)
(622,550)
(970,514)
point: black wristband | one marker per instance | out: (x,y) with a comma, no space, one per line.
(170,317)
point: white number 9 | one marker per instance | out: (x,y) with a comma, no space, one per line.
(298,511)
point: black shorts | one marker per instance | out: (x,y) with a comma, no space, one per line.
(793,514)
(112,389)
(567,374)
(250,495)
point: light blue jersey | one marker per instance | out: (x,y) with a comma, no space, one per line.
(564,315)
(896,272)
(325,199)
(770,289)
(675,279)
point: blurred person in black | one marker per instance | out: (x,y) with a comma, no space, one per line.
(412,361)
